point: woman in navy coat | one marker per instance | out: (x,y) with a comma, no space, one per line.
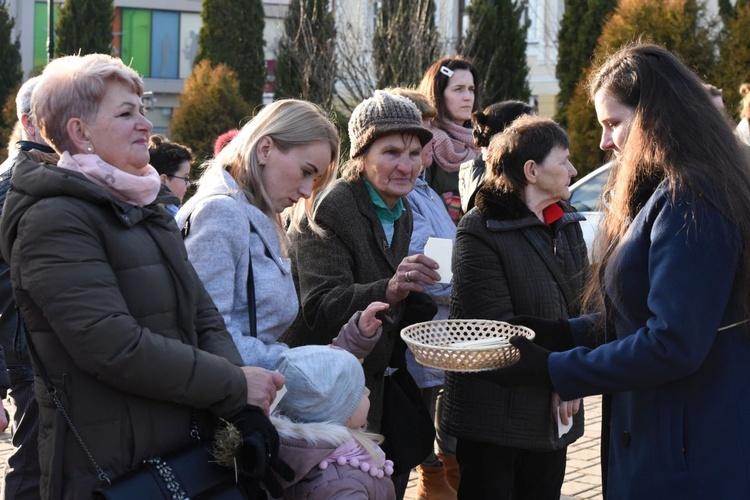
(672,276)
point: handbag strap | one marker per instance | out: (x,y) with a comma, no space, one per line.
(52,390)
(251,295)
(161,467)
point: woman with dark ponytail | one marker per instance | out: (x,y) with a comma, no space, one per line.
(487,123)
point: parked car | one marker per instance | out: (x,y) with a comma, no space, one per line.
(586,197)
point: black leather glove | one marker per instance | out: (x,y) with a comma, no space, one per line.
(418,307)
(531,369)
(552,334)
(258,455)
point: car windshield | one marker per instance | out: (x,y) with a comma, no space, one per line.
(587,195)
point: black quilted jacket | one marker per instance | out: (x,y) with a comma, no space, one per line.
(497,274)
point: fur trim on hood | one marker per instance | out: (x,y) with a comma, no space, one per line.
(324,434)
(498,205)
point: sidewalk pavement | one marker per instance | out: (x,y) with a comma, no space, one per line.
(582,478)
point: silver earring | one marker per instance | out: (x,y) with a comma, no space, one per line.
(89,149)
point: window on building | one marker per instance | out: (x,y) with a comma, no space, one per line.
(160,44)
(40,33)
(155,43)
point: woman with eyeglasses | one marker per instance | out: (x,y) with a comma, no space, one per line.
(172,162)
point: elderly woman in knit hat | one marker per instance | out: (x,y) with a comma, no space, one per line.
(361,254)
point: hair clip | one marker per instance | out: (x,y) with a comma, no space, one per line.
(446,71)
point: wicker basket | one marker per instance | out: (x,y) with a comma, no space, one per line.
(433,344)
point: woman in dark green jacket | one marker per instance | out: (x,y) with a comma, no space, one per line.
(129,337)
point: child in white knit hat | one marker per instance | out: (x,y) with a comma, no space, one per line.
(321,420)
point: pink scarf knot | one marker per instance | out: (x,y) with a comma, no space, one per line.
(355,455)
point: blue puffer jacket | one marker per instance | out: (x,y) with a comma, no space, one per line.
(431,220)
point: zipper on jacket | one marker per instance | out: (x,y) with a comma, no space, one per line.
(554,245)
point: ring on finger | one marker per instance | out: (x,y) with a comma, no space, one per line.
(408,279)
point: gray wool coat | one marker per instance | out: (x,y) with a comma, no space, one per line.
(225,232)
(343,271)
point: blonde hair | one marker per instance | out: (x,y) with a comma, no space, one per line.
(351,168)
(15,136)
(745,102)
(369,441)
(289,123)
(72,87)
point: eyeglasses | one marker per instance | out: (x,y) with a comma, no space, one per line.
(185,179)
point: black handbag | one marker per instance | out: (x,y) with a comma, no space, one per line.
(406,425)
(191,473)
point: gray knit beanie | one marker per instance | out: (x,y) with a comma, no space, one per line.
(324,384)
(381,115)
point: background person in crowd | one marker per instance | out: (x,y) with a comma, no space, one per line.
(15,136)
(743,127)
(172,162)
(322,423)
(520,252)
(21,475)
(438,474)
(487,123)
(280,161)
(716,95)
(224,139)
(671,265)
(361,252)
(122,325)
(452,86)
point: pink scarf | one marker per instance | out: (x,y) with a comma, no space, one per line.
(354,454)
(137,190)
(452,145)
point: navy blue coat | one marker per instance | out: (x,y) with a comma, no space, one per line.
(680,387)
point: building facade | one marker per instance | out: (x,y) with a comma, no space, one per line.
(159,38)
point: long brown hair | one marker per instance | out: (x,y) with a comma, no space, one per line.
(692,147)
(434,82)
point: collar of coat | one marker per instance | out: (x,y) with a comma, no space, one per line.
(507,211)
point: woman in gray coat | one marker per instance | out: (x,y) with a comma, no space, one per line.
(233,228)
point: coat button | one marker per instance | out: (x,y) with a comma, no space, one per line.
(626,439)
